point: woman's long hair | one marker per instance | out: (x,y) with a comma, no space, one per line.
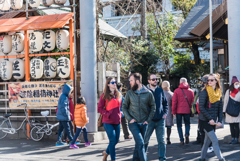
(231,87)
(217,77)
(107,93)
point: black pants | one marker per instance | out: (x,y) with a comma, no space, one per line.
(71,130)
(234,128)
(125,127)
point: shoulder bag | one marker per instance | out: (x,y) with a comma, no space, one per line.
(233,107)
(99,123)
(191,114)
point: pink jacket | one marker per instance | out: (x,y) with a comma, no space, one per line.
(179,102)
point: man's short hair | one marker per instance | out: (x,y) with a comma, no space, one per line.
(119,85)
(183,80)
(137,76)
(149,76)
(205,78)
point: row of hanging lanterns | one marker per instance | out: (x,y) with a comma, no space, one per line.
(5,5)
(37,41)
(49,68)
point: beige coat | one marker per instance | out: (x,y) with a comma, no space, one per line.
(230,119)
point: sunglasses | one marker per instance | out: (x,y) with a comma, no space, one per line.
(211,80)
(154,79)
(114,82)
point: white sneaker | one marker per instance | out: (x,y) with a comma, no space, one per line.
(210,149)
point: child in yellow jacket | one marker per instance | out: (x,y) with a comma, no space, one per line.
(81,119)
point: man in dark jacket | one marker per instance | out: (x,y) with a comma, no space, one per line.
(63,114)
(183,98)
(138,108)
(158,120)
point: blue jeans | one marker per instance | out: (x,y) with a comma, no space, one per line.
(159,127)
(64,125)
(113,133)
(139,131)
(186,118)
(77,134)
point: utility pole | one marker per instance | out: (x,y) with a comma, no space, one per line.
(233,37)
(89,60)
(211,36)
(143,20)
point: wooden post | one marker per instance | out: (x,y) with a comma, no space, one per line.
(72,62)
(27,70)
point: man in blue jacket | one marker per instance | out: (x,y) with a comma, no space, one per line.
(158,120)
(63,114)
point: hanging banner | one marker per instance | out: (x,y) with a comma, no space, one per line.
(34,94)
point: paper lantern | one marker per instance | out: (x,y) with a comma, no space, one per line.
(35,41)
(18,42)
(18,69)
(62,39)
(47,3)
(16,4)
(63,67)
(36,68)
(50,68)
(49,37)
(5,44)
(34,3)
(6,70)
(5,5)
(60,1)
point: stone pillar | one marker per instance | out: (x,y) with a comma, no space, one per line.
(101,77)
(116,68)
(233,38)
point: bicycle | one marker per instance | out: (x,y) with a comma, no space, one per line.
(38,132)
(6,125)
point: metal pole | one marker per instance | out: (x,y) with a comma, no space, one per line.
(211,36)
(27,9)
(233,38)
(89,60)
(143,20)
(75,50)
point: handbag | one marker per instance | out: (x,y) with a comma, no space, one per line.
(99,123)
(233,107)
(191,113)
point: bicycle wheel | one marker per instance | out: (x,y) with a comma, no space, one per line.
(36,133)
(3,125)
(32,121)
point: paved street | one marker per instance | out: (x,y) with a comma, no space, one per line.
(23,149)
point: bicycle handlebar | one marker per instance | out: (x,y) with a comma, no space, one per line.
(23,104)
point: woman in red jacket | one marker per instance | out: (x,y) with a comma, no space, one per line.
(109,106)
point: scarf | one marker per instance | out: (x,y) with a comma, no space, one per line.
(214,95)
(234,92)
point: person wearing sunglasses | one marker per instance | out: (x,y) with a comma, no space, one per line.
(109,106)
(232,98)
(158,121)
(210,116)
(138,108)
(182,100)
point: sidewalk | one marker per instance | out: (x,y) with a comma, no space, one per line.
(22,149)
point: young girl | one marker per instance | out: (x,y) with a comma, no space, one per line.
(81,120)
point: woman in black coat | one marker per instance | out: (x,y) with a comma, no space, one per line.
(210,106)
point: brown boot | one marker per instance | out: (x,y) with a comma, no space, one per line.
(105,155)
(181,143)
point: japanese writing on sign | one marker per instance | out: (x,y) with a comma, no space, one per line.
(35,94)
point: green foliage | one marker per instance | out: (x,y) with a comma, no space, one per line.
(182,65)
(184,5)
(198,73)
(185,68)
(143,59)
(162,30)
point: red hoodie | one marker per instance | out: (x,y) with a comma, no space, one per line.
(179,102)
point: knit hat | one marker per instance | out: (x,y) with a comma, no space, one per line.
(234,79)
(204,79)
(165,84)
